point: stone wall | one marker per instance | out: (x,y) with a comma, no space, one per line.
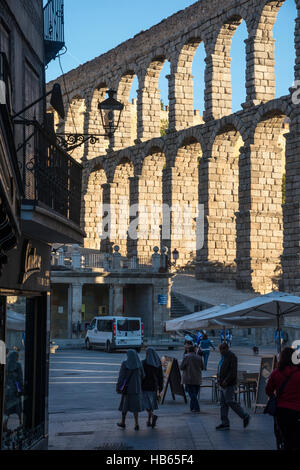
(232,164)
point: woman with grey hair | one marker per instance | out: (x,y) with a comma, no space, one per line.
(152,384)
(130,386)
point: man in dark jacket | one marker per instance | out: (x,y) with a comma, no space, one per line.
(227,379)
(192,376)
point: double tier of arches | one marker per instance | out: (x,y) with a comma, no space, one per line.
(143,121)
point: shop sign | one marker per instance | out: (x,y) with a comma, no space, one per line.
(31,262)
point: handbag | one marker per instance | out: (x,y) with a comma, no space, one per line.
(271,406)
(124,387)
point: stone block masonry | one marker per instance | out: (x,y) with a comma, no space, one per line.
(231,164)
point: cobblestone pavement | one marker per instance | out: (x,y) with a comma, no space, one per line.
(83,410)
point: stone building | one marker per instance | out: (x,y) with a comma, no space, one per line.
(231,163)
(38,208)
(86,284)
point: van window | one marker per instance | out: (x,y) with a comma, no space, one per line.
(105,326)
(133,325)
(93,324)
(122,325)
(128,325)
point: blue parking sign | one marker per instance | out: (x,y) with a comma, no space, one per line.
(162,299)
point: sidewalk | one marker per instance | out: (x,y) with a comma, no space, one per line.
(177,428)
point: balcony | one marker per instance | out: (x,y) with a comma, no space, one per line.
(53,29)
(73,258)
(52,187)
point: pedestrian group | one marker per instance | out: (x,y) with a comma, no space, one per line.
(141,384)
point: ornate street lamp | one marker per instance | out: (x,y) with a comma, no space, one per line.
(110,111)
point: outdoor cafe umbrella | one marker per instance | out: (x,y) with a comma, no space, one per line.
(265,310)
(195,320)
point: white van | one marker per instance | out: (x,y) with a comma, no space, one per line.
(114,332)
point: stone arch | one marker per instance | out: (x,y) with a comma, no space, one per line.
(120,200)
(149,199)
(95,121)
(182,91)
(218,71)
(149,105)
(126,133)
(181,182)
(261,79)
(75,122)
(222,199)
(93,208)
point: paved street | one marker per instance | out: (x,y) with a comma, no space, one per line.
(83,410)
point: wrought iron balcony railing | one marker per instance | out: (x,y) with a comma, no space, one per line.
(50,175)
(53,29)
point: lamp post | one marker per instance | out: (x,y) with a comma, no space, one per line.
(110,111)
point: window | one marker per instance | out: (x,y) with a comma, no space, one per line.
(122,325)
(25,372)
(5,40)
(128,325)
(32,91)
(93,324)
(105,326)
(133,325)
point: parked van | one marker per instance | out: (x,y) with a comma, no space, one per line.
(113,333)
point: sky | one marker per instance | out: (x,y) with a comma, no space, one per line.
(93,27)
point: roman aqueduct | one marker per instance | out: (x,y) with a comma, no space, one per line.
(232,164)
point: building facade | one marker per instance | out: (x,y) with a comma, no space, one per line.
(38,183)
(86,284)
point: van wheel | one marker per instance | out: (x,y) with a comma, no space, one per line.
(108,348)
(88,345)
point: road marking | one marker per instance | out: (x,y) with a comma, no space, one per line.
(72,383)
(81,370)
(71,378)
(88,363)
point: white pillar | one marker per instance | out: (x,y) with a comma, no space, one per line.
(118,300)
(76,261)
(76,303)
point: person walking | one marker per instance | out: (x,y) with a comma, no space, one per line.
(205,345)
(191,366)
(130,386)
(188,342)
(152,384)
(227,379)
(284,382)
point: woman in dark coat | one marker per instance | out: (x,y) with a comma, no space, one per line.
(130,385)
(288,404)
(152,383)
(13,388)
